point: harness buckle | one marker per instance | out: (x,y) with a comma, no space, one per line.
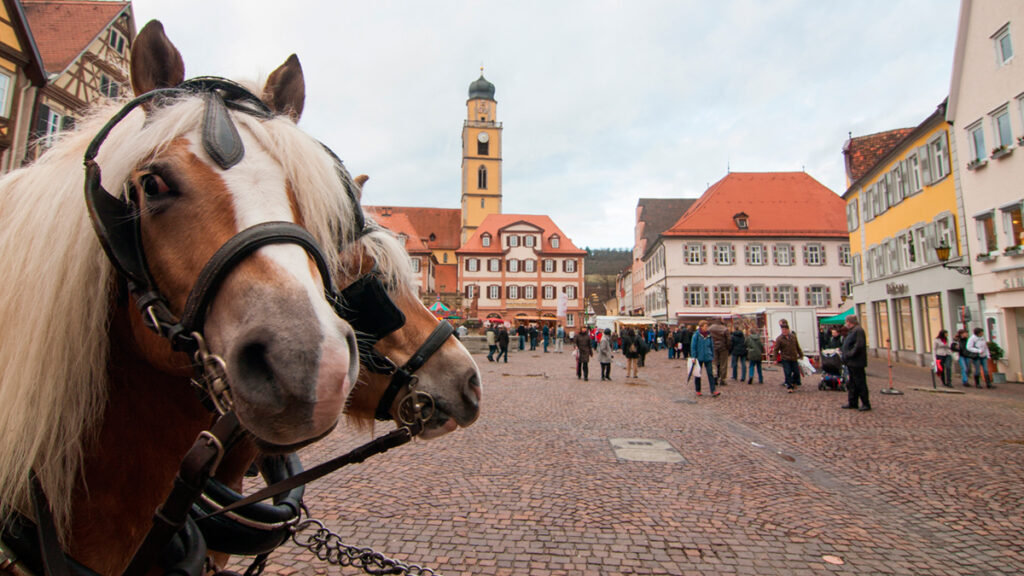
(214,378)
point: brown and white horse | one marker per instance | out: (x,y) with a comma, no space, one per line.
(92,401)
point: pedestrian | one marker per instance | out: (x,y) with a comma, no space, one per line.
(855,356)
(492,342)
(978,347)
(643,348)
(583,352)
(834,341)
(546,333)
(702,350)
(670,343)
(559,338)
(788,348)
(521,332)
(604,355)
(755,353)
(461,331)
(738,351)
(532,333)
(631,350)
(686,339)
(959,346)
(502,344)
(943,358)
(720,335)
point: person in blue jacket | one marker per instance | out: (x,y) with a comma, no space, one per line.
(702,350)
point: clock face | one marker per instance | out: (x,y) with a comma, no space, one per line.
(483,137)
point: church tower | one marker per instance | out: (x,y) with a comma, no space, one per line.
(481,157)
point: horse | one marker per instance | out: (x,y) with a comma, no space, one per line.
(94,404)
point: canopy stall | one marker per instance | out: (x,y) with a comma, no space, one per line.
(838,319)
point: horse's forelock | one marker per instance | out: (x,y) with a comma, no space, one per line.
(390,257)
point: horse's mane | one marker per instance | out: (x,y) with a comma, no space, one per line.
(57,283)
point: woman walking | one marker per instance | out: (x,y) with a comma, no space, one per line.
(755,352)
(702,350)
(604,355)
(943,358)
(978,347)
(631,350)
(959,345)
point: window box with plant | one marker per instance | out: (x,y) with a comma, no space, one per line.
(1020,140)
(1001,151)
(977,163)
(995,354)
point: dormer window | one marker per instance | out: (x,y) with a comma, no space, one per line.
(528,241)
(485,240)
(555,241)
(402,239)
(513,241)
(741,220)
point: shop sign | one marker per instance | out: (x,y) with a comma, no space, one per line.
(1013,283)
(895,288)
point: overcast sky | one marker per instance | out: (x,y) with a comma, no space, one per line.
(602,102)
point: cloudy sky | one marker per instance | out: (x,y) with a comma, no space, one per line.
(602,102)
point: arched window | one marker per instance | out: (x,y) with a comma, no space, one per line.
(481,178)
(555,241)
(485,240)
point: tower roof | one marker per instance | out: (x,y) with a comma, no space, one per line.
(481,89)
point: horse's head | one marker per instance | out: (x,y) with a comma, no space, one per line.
(449,375)
(214,167)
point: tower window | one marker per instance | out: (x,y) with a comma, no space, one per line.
(481,178)
(481,202)
(483,148)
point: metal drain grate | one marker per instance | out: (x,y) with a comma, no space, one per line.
(645,450)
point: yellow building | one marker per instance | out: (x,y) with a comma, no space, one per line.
(902,203)
(21,75)
(481,157)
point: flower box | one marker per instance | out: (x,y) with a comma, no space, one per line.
(1001,151)
(976,164)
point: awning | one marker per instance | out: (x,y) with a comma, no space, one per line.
(837,319)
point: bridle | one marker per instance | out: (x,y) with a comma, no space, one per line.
(365,304)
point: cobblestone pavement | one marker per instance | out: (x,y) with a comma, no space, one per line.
(769,482)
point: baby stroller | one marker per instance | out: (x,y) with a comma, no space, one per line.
(833,373)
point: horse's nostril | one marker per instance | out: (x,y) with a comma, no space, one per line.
(471,393)
(253,364)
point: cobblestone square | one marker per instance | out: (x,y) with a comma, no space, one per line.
(769,482)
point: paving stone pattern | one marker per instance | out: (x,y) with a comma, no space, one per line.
(770,483)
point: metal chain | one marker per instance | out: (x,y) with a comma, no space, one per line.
(328,546)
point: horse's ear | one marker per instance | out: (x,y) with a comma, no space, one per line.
(285,91)
(360,180)
(156,63)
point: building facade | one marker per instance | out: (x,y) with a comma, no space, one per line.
(762,239)
(986,108)
(902,203)
(653,216)
(481,157)
(21,77)
(514,268)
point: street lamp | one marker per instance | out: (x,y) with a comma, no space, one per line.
(942,251)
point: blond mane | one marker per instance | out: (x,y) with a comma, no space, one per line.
(56,283)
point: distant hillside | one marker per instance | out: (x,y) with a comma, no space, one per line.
(601,266)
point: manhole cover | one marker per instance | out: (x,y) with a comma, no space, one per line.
(645,450)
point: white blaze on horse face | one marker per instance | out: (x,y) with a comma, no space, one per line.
(282,324)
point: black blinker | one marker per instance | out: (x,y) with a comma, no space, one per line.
(366,306)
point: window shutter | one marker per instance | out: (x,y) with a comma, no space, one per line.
(686,295)
(924,161)
(703,254)
(704,293)
(746,293)
(943,158)
(732,254)
(828,297)
(805,255)
(735,295)
(822,252)
(746,254)
(775,294)
(775,254)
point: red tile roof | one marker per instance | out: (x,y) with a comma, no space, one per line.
(494,223)
(64,29)
(444,223)
(776,204)
(446,277)
(400,224)
(863,152)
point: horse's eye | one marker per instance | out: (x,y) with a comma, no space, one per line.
(154,186)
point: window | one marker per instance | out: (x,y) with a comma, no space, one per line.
(908,255)
(944,230)
(570,320)
(694,253)
(549,265)
(485,240)
(987,232)
(844,254)
(444,258)
(402,239)
(858,274)
(529,240)
(852,216)
(869,204)
(931,317)
(1013,230)
(756,254)
(725,254)
(530,292)
(471,291)
(882,323)
(695,295)
(5,94)
(899,183)
(938,155)
(977,140)
(529,265)
(904,323)
(726,295)
(555,241)
(472,264)
(415,264)
(786,294)
(893,255)
(116,41)
(783,255)
(549,292)
(481,178)
(757,293)
(482,148)
(1001,127)
(512,265)
(570,292)
(818,296)
(513,241)
(51,123)
(494,264)
(846,290)
(494,292)
(814,255)
(513,292)
(913,174)
(1004,45)
(108,87)
(569,266)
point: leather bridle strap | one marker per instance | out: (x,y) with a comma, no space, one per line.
(54,561)
(404,376)
(198,466)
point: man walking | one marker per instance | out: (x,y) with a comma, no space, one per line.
(790,354)
(492,343)
(720,338)
(502,345)
(855,356)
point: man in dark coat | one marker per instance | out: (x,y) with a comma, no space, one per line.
(855,356)
(582,342)
(720,339)
(502,345)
